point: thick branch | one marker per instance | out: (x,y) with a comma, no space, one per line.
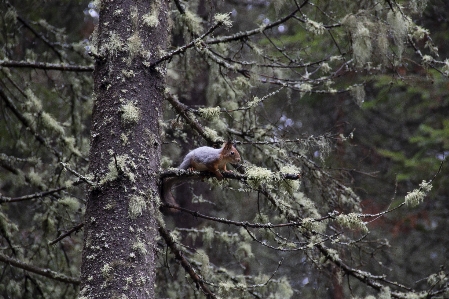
(226,174)
(43,272)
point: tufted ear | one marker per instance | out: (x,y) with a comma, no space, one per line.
(228,145)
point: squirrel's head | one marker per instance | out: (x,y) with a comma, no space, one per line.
(231,153)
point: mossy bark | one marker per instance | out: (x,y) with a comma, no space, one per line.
(120,226)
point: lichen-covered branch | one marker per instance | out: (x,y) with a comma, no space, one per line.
(46,66)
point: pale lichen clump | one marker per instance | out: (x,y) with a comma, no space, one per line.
(400,25)
(203,259)
(106,270)
(11,16)
(151,19)
(256,100)
(34,105)
(358,93)
(140,247)
(137,205)
(445,68)
(427,59)
(361,45)
(416,196)
(352,221)
(385,293)
(130,113)
(118,164)
(315,27)
(290,186)
(114,44)
(70,203)
(192,21)
(259,175)
(209,113)
(212,135)
(134,46)
(224,19)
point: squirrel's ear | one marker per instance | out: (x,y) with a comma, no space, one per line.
(228,145)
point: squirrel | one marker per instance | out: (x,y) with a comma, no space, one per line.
(202,159)
(211,159)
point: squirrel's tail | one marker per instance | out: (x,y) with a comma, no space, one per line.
(167,196)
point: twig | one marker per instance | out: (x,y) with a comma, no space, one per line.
(68,233)
(4,199)
(182,49)
(81,177)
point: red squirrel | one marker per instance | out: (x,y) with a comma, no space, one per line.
(212,159)
(202,159)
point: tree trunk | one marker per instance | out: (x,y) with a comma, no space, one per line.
(120,227)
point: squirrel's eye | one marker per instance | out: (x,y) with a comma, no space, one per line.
(232,153)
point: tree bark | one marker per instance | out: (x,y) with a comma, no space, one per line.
(120,220)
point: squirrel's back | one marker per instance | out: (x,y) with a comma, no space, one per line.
(204,155)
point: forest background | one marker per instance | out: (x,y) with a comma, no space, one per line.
(339,109)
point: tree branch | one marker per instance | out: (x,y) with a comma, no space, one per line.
(46,66)
(40,271)
(184,263)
